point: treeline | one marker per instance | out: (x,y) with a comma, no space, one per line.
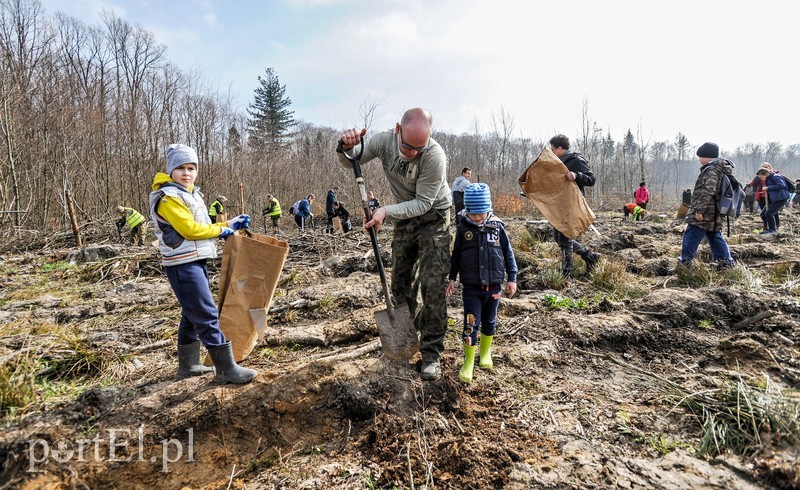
(88,110)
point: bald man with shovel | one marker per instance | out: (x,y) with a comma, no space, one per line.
(416,169)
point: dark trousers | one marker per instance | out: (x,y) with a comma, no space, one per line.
(769,215)
(568,246)
(329,226)
(199,315)
(301,222)
(480,311)
(420,264)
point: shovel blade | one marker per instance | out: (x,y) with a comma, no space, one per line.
(399,338)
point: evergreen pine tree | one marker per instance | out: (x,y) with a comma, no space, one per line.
(270,119)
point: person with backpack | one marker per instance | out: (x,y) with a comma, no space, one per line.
(302,211)
(704,219)
(642,195)
(777,197)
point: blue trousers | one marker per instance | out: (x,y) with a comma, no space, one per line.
(769,215)
(199,314)
(692,237)
(480,312)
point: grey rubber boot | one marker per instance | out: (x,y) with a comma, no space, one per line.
(189,361)
(227,369)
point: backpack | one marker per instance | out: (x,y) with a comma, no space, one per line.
(731,196)
(789,184)
(295,207)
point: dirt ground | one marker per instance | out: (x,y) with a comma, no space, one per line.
(588,393)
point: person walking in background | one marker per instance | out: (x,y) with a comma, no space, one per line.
(302,212)
(482,257)
(136,224)
(217,209)
(749,197)
(415,166)
(273,211)
(329,209)
(373,201)
(795,198)
(578,171)
(777,196)
(186,240)
(461,183)
(703,220)
(641,195)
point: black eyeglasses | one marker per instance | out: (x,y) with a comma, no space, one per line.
(408,147)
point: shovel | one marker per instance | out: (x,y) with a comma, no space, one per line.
(398,334)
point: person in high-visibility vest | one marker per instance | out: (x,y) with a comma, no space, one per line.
(217,208)
(135,221)
(273,210)
(634,209)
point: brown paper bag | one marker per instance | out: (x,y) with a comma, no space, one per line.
(682,210)
(559,199)
(251,268)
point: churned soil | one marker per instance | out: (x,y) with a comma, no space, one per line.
(582,394)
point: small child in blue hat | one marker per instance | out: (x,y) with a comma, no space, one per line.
(483,257)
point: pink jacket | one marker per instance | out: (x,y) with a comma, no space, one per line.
(642,195)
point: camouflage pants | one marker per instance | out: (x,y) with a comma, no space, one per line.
(137,234)
(420,265)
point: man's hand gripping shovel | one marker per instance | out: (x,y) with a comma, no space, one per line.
(398,334)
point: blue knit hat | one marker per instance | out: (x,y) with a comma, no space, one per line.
(477,198)
(178,154)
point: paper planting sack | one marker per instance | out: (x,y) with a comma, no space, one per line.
(251,268)
(559,199)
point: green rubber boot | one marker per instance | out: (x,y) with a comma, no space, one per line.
(465,374)
(485,352)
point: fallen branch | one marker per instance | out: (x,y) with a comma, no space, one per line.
(776,262)
(652,313)
(153,346)
(342,354)
(753,319)
(294,304)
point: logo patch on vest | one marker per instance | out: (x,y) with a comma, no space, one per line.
(469,235)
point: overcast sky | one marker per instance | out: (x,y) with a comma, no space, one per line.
(722,71)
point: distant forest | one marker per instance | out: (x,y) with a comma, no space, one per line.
(88,111)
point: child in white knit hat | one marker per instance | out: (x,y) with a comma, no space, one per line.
(482,256)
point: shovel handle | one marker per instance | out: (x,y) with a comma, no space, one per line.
(362,190)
